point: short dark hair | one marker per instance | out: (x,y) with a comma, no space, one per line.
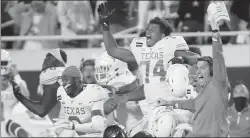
(89,62)
(63,55)
(195,50)
(165,25)
(209,60)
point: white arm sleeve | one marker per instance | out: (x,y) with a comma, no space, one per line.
(181,44)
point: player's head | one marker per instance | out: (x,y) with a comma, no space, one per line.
(87,68)
(157,29)
(204,70)
(114,131)
(71,80)
(177,79)
(142,134)
(240,96)
(104,67)
(6,71)
(54,58)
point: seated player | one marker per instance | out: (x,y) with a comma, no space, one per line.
(8,101)
(115,73)
(82,105)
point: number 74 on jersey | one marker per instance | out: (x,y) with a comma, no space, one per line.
(158,70)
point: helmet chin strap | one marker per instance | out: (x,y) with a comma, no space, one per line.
(68,85)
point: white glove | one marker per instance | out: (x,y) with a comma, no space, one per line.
(216,11)
(211,11)
(63,123)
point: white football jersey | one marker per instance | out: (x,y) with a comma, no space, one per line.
(153,63)
(8,100)
(80,107)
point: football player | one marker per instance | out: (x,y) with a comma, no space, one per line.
(115,73)
(82,104)
(53,65)
(87,68)
(151,53)
(8,100)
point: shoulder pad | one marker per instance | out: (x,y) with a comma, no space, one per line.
(51,75)
(181,43)
(98,92)
(137,42)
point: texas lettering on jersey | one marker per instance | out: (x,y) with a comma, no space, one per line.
(74,110)
(81,106)
(151,55)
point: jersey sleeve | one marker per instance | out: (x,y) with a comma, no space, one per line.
(98,97)
(181,44)
(51,76)
(122,78)
(137,43)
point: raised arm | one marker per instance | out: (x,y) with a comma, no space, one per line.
(43,107)
(219,66)
(109,41)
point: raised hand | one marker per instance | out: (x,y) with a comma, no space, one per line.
(104,13)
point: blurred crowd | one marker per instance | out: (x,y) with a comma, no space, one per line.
(72,18)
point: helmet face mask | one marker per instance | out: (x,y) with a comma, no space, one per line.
(103,68)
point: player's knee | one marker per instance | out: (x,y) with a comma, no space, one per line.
(165,125)
(14,129)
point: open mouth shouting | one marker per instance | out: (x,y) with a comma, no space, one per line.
(200,79)
(148,37)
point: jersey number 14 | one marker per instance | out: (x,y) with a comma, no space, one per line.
(157,71)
